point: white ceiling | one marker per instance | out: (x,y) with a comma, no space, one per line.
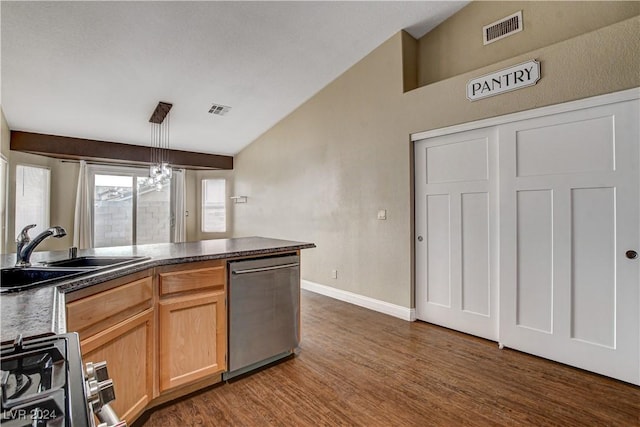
(97,70)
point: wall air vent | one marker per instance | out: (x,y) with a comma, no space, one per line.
(218,109)
(503,28)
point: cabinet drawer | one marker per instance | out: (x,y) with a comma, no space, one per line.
(102,310)
(206,278)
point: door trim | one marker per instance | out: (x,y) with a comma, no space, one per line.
(595,101)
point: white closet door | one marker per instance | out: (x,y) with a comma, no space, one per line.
(456,230)
(569,212)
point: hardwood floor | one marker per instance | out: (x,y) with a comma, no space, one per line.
(359,367)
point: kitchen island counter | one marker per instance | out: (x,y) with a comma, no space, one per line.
(41,311)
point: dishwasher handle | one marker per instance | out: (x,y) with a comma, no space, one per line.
(258,270)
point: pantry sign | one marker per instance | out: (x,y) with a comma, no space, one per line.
(512,78)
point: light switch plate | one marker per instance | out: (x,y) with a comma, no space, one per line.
(382,214)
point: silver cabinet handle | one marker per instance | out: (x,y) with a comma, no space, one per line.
(258,270)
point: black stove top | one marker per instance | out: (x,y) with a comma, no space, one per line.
(42,383)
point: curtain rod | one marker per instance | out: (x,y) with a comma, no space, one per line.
(127,165)
(91,162)
(118,165)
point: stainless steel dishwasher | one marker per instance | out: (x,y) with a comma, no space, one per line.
(263,310)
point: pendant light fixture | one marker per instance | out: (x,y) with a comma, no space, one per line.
(159,167)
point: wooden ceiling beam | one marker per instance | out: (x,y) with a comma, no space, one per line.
(64,147)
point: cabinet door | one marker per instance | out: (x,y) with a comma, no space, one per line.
(128,350)
(193,338)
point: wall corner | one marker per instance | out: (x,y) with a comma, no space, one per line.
(409,62)
(5,135)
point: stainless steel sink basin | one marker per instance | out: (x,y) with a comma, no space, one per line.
(21,278)
(95,261)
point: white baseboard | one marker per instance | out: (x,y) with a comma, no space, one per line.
(394,310)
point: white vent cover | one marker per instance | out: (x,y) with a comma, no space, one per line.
(503,28)
(218,109)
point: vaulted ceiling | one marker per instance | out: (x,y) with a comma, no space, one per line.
(96,70)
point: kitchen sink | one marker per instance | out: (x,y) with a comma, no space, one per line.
(20,278)
(95,261)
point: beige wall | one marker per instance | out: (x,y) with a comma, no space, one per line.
(4,151)
(321,174)
(64,179)
(4,136)
(603,61)
(194,200)
(455,46)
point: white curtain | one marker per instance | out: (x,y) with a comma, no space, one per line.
(179,223)
(82,226)
(3,201)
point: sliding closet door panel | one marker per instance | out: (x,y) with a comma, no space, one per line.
(569,209)
(456,256)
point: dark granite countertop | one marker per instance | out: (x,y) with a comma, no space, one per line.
(41,311)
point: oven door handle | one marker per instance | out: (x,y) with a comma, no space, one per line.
(259,270)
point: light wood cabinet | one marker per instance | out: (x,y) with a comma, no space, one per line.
(127,348)
(192,323)
(116,324)
(96,312)
(162,332)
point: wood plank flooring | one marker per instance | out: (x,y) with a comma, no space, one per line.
(361,368)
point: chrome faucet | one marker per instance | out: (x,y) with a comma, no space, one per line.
(25,245)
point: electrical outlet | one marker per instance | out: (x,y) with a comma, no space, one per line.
(334,274)
(382,214)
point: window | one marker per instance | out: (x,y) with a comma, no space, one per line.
(214,215)
(32,198)
(129,208)
(153,219)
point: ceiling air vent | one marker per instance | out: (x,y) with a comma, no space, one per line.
(218,109)
(503,28)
